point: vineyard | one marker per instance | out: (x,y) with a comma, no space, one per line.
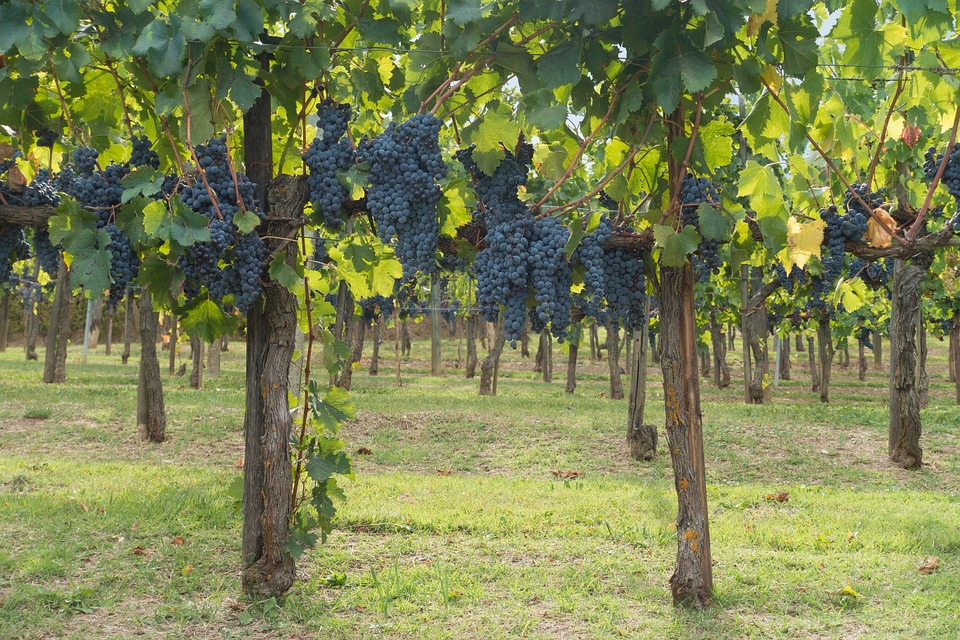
(357,318)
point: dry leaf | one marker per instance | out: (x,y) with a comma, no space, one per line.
(877,236)
(16,181)
(930,565)
(910,135)
(178,540)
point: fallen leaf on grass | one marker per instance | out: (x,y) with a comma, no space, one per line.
(567,474)
(363,451)
(178,540)
(930,565)
(444,472)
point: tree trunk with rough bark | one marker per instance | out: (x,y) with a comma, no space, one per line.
(573,343)
(825,348)
(58,333)
(269,570)
(473,321)
(375,354)
(489,366)
(692,581)
(877,350)
(861,361)
(151,413)
(641,438)
(4,319)
(814,369)
(108,323)
(127,326)
(923,380)
(721,372)
(785,358)
(613,359)
(196,362)
(359,333)
(905,427)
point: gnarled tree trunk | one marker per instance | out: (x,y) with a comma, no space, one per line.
(613,359)
(721,372)
(641,438)
(489,366)
(151,414)
(58,333)
(473,320)
(905,429)
(692,581)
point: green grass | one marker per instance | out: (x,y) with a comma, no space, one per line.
(92,517)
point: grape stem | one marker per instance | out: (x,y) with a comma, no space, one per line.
(915,228)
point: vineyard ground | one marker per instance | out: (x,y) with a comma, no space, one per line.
(456,526)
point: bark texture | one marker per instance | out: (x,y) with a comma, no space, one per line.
(721,371)
(127,326)
(269,571)
(151,413)
(641,438)
(692,581)
(196,362)
(489,366)
(613,359)
(473,320)
(58,333)
(904,436)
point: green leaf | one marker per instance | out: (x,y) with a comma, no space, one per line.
(286,275)
(496,131)
(206,319)
(246,221)
(141,181)
(714,224)
(561,65)
(675,246)
(717,140)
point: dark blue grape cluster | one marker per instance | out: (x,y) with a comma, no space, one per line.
(405,163)
(374,308)
(46,137)
(694,192)
(142,155)
(47,254)
(13,247)
(853,205)
(231,262)
(625,287)
(503,266)
(874,274)
(330,153)
(551,276)
(590,255)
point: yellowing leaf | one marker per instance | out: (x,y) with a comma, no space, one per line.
(804,240)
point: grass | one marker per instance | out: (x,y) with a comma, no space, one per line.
(456,526)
